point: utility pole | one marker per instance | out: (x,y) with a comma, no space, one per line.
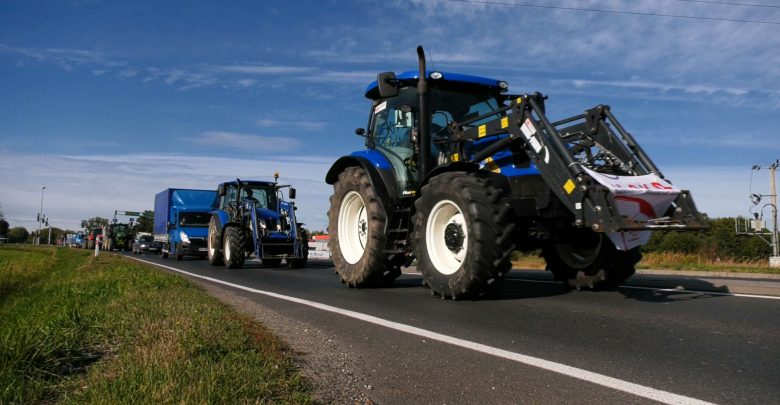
(40,218)
(774,261)
(757,225)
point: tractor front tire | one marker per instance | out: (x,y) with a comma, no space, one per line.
(212,242)
(356,224)
(235,248)
(463,235)
(589,259)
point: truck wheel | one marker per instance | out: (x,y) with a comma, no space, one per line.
(234,248)
(272,262)
(178,254)
(463,235)
(589,259)
(212,242)
(356,224)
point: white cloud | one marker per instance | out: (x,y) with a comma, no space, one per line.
(247,142)
(83,186)
(262,69)
(292,122)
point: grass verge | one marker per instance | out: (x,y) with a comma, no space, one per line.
(76,329)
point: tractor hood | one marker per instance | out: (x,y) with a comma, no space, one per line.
(265,213)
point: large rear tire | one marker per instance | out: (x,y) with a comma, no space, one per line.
(356,224)
(212,243)
(235,248)
(588,259)
(463,235)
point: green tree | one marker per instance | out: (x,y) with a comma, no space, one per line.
(145,223)
(3,227)
(95,222)
(17,234)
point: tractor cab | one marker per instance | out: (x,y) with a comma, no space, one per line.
(395,128)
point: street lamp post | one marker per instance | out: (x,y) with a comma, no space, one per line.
(40,224)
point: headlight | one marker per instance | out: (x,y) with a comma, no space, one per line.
(183,236)
(436,75)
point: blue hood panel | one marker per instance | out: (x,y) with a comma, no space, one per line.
(265,213)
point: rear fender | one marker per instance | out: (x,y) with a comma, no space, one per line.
(379,170)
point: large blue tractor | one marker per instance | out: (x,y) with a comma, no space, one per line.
(458,174)
(252,220)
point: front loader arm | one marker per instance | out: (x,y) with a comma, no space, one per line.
(564,157)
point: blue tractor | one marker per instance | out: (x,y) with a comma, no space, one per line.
(457,174)
(252,220)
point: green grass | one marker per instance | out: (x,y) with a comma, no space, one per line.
(700,262)
(75,329)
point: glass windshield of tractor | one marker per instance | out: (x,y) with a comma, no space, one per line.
(391,133)
(120,230)
(456,104)
(262,196)
(194,219)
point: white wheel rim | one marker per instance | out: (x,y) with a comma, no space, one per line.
(212,235)
(353,227)
(444,258)
(227,250)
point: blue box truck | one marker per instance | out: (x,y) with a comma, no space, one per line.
(181,220)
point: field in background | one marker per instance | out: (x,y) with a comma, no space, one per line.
(78,329)
(669,261)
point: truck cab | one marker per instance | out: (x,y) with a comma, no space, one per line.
(181,218)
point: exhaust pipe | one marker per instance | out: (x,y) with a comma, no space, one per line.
(423,136)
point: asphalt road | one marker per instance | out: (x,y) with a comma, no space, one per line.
(536,342)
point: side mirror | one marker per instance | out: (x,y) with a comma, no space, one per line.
(221,190)
(387,83)
(360,132)
(292,193)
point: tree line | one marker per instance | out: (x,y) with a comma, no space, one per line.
(720,241)
(20,234)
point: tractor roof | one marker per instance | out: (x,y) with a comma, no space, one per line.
(254,183)
(373,93)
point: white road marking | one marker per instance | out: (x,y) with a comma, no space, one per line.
(574,372)
(679,290)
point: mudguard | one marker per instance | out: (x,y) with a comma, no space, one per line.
(379,170)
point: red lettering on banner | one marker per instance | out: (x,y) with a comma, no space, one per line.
(660,186)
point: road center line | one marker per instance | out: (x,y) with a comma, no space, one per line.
(574,372)
(677,290)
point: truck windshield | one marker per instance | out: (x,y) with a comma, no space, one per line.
(194,219)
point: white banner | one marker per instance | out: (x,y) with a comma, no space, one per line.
(640,198)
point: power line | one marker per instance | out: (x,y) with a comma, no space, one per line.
(728,3)
(596,10)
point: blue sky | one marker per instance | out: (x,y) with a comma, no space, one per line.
(107,102)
